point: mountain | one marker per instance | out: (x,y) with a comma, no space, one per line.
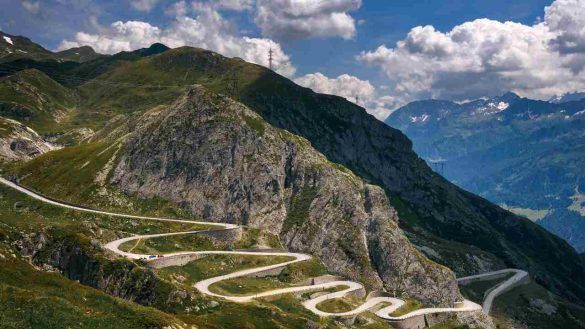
(443,220)
(65,69)
(32,97)
(14,47)
(301,168)
(78,54)
(569,97)
(274,181)
(527,155)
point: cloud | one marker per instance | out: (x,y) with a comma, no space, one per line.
(486,57)
(344,85)
(32,7)
(179,8)
(143,5)
(294,19)
(236,5)
(566,19)
(208,29)
(350,87)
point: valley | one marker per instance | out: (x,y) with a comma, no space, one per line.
(525,155)
(172,196)
(348,287)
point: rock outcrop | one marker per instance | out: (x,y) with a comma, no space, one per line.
(221,161)
(19,142)
(80,258)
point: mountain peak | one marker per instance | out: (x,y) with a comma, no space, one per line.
(567,97)
(155,48)
(510,96)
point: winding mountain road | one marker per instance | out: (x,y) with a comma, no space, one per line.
(514,280)
(311,304)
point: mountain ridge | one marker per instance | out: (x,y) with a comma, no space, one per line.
(527,156)
(14,47)
(331,124)
(434,213)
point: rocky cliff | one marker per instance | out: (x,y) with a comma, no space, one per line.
(223,162)
(80,257)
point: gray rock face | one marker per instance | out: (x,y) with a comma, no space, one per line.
(18,142)
(220,160)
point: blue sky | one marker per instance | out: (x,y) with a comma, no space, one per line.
(344,47)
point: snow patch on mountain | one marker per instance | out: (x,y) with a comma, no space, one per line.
(420,118)
(9,40)
(491,108)
(578,204)
(502,106)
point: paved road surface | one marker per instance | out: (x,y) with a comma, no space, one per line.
(311,304)
(516,279)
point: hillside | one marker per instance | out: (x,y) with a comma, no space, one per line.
(19,142)
(32,97)
(526,154)
(434,211)
(14,47)
(270,180)
(206,155)
(45,249)
(453,227)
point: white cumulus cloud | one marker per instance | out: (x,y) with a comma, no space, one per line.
(566,19)
(486,57)
(208,29)
(353,89)
(293,19)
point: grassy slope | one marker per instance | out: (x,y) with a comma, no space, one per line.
(337,305)
(32,96)
(22,215)
(409,306)
(33,299)
(70,174)
(535,307)
(283,311)
(112,96)
(28,49)
(496,234)
(476,291)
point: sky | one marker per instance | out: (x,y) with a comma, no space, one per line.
(386,52)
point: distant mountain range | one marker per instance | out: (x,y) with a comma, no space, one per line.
(523,154)
(14,47)
(569,97)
